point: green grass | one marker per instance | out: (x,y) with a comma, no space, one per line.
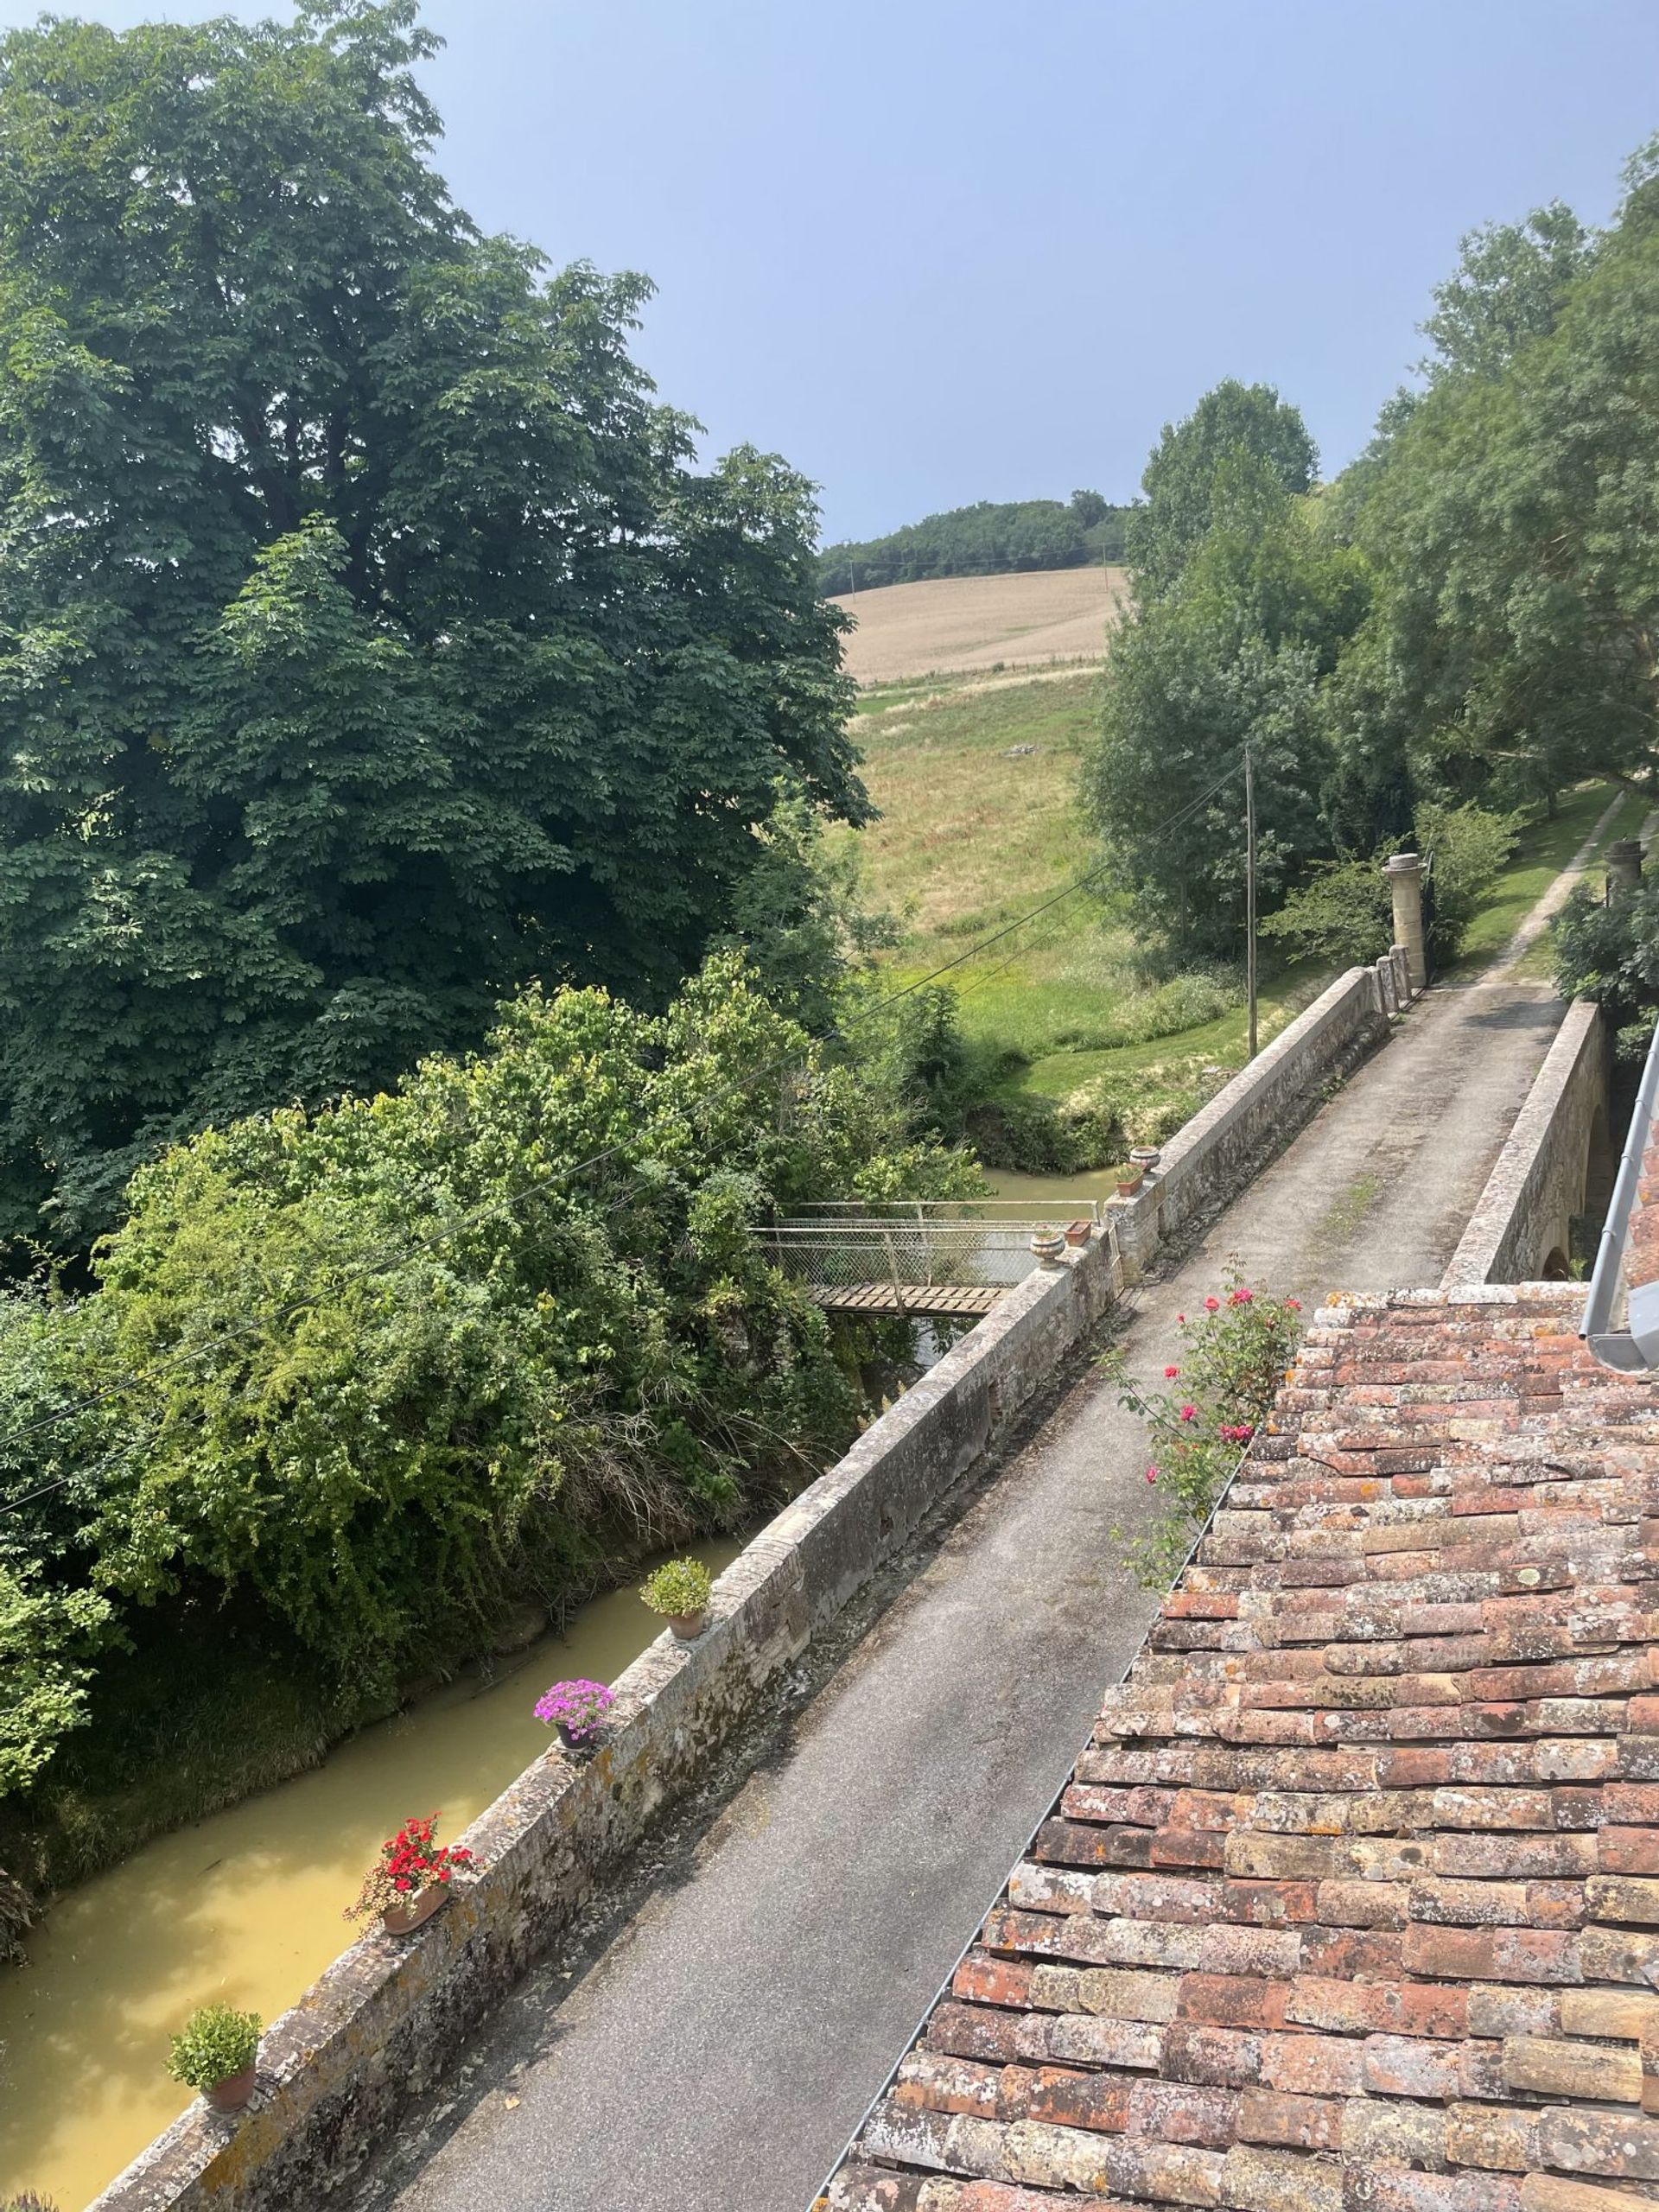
(1542,850)
(976,832)
(977,788)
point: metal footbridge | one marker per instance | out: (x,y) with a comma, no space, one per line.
(939,1258)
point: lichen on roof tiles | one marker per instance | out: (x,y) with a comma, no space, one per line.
(1351,1904)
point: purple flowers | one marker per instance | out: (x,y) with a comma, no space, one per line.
(576,1709)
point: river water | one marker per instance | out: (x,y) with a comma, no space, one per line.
(1050,1191)
(244,1908)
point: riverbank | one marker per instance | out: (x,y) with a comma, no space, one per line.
(244,1908)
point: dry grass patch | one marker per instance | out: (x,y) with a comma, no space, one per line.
(977,622)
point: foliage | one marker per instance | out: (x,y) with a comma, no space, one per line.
(1231,422)
(1610,952)
(1468,846)
(1232,653)
(1343,911)
(28,2200)
(370,640)
(985,539)
(579,1708)
(48,1638)
(1214,1400)
(16,1911)
(215,2043)
(679,1586)
(1509,515)
(409,1863)
(365,1369)
(1511,283)
(799,918)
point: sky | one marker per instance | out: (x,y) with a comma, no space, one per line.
(939,250)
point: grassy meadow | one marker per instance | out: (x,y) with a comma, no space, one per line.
(977,781)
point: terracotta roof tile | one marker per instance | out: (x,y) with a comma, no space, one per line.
(1351,1903)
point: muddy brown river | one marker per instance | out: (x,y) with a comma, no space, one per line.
(245,1908)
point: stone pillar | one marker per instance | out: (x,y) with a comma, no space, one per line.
(1405,874)
(1624,868)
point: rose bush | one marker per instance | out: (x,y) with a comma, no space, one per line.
(1234,1358)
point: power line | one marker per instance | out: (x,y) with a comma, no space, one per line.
(396,1255)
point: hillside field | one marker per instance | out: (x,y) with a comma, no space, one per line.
(969,624)
(976,785)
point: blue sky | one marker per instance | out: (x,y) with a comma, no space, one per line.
(936,250)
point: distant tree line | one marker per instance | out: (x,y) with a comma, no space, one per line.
(985,539)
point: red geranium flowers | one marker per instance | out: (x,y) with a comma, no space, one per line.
(409,1862)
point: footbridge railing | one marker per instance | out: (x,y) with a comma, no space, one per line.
(917,1256)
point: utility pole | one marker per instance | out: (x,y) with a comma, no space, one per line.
(1250,891)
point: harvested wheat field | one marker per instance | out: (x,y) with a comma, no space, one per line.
(973,622)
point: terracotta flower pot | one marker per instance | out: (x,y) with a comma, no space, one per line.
(1128,1186)
(688,1626)
(1078,1233)
(233,2092)
(403,1919)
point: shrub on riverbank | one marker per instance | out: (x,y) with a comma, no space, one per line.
(359,1374)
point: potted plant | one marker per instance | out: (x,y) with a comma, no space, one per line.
(1047,1244)
(1078,1232)
(28,2201)
(216,2053)
(1129,1183)
(411,1878)
(680,1590)
(578,1710)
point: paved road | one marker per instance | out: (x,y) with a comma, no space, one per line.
(720,2052)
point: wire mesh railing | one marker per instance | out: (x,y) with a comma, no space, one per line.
(922,1243)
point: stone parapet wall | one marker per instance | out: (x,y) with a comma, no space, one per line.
(387,2018)
(1212,1155)
(1520,1229)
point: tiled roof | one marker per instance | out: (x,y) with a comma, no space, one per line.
(1642,1253)
(1352,1904)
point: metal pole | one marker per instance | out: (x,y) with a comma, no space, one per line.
(1249,890)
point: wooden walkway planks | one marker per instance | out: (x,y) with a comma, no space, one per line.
(945,1301)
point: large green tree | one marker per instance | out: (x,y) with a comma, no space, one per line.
(1510,513)
(370,642)
(1182,475)
(1233,651)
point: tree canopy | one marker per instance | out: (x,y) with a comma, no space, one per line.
(365,1371)
(1233,649)
(1471,614)
(1181,476)
(370,641)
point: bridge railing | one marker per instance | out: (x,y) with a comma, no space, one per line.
(915,1244)
(1020,1212)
